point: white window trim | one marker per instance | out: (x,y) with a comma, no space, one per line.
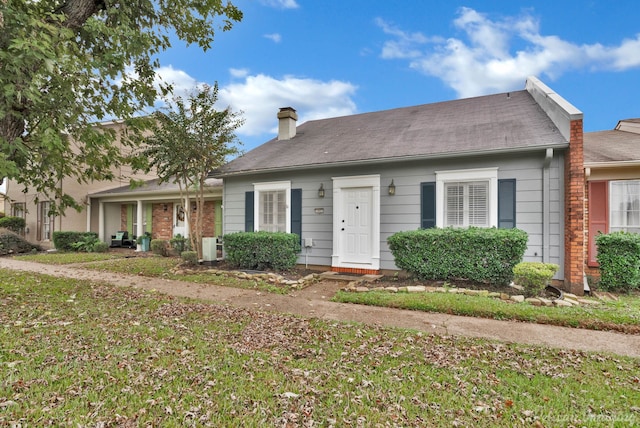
(611,208)
(271,187)
(465,175)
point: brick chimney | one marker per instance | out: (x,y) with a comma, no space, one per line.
(287,117)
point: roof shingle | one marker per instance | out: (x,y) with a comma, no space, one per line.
(500,122)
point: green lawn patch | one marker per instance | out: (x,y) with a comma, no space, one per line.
(623,315)
(76,353)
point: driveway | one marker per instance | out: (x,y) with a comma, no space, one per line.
(313,302)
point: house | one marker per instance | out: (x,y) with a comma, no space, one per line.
(612,172)
(111,206)
(40,225)
(153,207)
(346,184)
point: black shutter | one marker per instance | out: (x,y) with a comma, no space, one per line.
(507,203)
(427,205)
(296,212)
(248,212)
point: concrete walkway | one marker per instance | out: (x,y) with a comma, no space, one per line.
(313,303)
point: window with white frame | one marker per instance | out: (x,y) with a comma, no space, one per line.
(272,202)
(467,204)
(45,221)
(19,209)
(624,206)
(468,198)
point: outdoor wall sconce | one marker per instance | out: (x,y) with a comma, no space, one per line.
(392,188)
(321,191)
(165,207)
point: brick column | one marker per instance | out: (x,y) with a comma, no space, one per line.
(574,199)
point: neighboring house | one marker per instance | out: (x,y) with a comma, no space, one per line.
(112,206)
(154,208)
(346,184)
(39,224)
(612,170)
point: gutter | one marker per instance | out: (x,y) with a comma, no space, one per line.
(611,164)
(391,160)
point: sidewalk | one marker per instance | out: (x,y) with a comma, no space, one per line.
(310,303)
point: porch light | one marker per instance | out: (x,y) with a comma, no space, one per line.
(392,188)
(164,207)
(321,191)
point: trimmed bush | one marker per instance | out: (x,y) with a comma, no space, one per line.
(475,254)
(189,258)
(619,259)
(14,224)
(12,243)
(179,243)
(63,241)
(262,250)
(159,247)
(534,276)
(100,247)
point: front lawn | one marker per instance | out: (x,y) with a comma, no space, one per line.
(622,315)
(78,353)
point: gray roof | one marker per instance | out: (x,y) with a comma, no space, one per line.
(612,146)
(153,186)
(502,122)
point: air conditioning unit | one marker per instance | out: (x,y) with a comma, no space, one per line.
(209,249)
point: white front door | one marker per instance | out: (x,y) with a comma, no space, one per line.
(356,230)
(356,222)
(179,225)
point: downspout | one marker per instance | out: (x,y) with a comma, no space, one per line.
(546,202)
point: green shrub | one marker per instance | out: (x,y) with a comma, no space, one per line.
(534,276)
(12,243)
(619,259)
(262,250)
(475,254)
(159,247)
(179,243)
(14,224)
(100,247)
(63,241)
(189,257)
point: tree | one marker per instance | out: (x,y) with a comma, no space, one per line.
(66,64)
(188,141)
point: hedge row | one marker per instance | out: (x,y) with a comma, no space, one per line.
(619,259)
(63,240)
(475,254)
(14,224)
(12,243)
(262,250)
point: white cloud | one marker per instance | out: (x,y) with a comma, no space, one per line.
(275,37)
(485,60)
(182,83)
(260,96)
(281,4)
(238,72)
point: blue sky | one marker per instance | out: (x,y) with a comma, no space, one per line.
(331,58)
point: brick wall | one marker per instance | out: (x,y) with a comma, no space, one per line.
(574,254)
(162,221)
(208,220)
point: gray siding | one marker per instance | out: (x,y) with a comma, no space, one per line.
(402,211)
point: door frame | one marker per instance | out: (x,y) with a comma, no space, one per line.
(185,211)
(340,184)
